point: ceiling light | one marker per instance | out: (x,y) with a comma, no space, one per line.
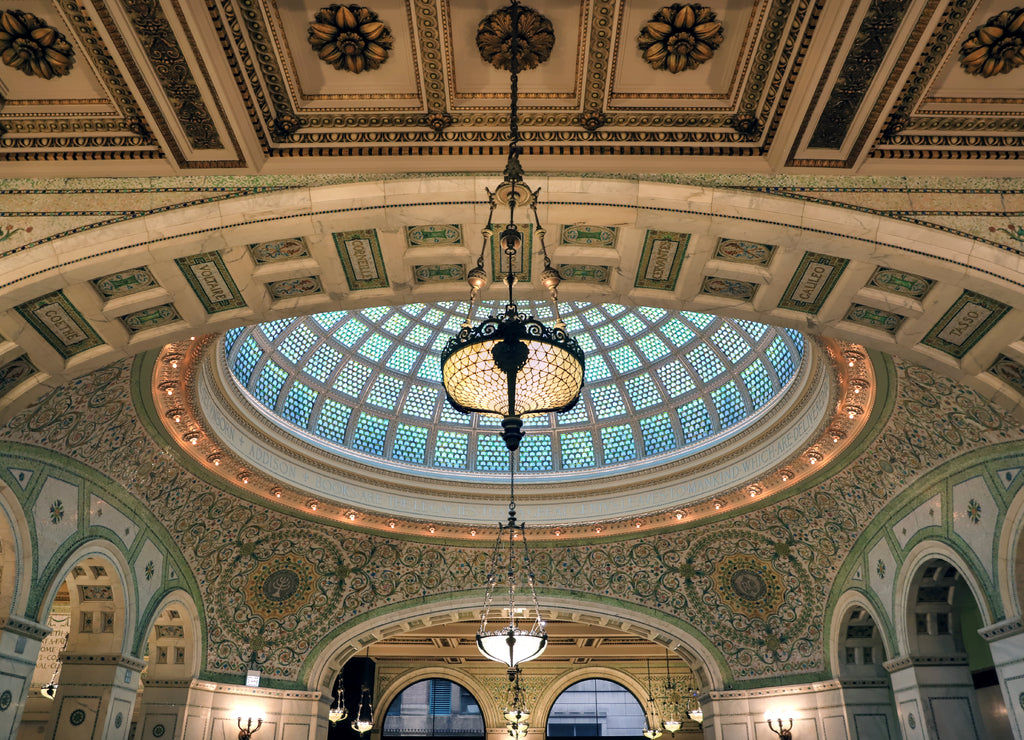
(512,365)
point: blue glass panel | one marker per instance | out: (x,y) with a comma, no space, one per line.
(230,336)
(430,369)
(781,359)
(677,333)
(754,329)
(491,453)
(418,335)
(658,435)
(700,320)
(385,392)
(625,359)
(451,416)
(272,328)
(333,420)
(297,343)
(631,325)
(410,444)
(607,401)
(450,449)
(695,421)
(298,404)
(643,392)
(729,402)
(269,383)
(730,342)
(351,332)
(375,347)
(595,369)
(324,362)
(676,379)
(328,319)
(370,434)
(403,359)
(352,379)
(608,335)
(535,453)
(798,339)
(759,384)
(617,444)
(577,450)
(577,415)
(421,401)
(376,313)
(653,348)
(395,324)
(245,361)
(706,363)
(651,313)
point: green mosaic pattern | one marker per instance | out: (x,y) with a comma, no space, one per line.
(812,282)
(60,324)
(361,259)
(150,318)
(660,260)
(211,280)
(965,323)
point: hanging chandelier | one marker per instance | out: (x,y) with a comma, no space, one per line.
(338,712)
(512,365)
(363,721)
(511,643)
(672,724)
(652,729)
(516,714)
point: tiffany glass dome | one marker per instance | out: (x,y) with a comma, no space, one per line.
(660,386)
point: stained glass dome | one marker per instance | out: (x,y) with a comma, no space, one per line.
(660,385)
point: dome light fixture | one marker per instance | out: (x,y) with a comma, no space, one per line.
(512,365)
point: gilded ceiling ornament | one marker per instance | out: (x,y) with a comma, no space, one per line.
(996,47)
(592,120)
(746,125)
(350,37)
(680,37)
(439,120)
(536,38)
(28,44)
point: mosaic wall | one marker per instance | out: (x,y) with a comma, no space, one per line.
(752,588)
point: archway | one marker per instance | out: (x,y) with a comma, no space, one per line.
(596,708)
(436,708)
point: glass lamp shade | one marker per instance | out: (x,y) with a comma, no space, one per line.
(517,731)
(651,734)
(511,645)
(697,715)
(672,725)
(512,366)
(337,712)
(516,715)
(362,725)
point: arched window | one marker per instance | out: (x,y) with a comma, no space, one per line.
(596,708)
(436,708)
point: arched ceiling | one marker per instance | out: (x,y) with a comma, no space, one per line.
(235,86)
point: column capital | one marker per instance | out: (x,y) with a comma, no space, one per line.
(1006,628)
(901,662)
(104,659)
(24,627)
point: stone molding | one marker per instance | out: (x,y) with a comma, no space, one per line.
(1001,630)
(24,627)
(916,661)
(114,659)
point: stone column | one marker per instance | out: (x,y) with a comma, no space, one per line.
(20,640)
(935,698)
(95,697)
(1006,641)
(163,709)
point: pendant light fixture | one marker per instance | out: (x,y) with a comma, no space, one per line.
(338,712)
(363,721)
(512,365)
(651,729)
(511,643)
(516,714)
(671,722)
(695,712)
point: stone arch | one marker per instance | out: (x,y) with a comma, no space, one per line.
(547,699)
(117,575)
(1009,561)
(855,610)
(175,626)
(491,712)
(15,554)
(69,262)
(348,640)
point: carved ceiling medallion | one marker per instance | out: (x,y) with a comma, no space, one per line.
(29,44)
(680,37)
(350,37)
(536,38)
(996,47)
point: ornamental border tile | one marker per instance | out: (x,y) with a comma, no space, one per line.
(78,329)
(364,271)
(218,282)
(976,326)
(816,291)
(666,265)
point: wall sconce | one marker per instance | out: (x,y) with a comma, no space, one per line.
(784,719)
(244,733)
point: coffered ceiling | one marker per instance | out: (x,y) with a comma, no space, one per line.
(156,87)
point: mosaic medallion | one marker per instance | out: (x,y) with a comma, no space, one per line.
(874,318)
(118,720)
(293,287)
(158,730)
(596,274)
(589,236)
(900,283)
(5,700)
(125,282)
(735,250)
(438,273)
(150,318)
(911,722)
(77,717)
(723,287)
(14,372)
(279,251)
(281,585)
(432,235)
(1009,371)
(749,586)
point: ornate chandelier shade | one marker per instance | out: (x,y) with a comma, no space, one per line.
(512,365)
(516,715)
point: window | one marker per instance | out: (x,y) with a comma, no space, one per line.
(596,708)
(436,708)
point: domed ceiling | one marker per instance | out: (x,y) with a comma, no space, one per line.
(660,385)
